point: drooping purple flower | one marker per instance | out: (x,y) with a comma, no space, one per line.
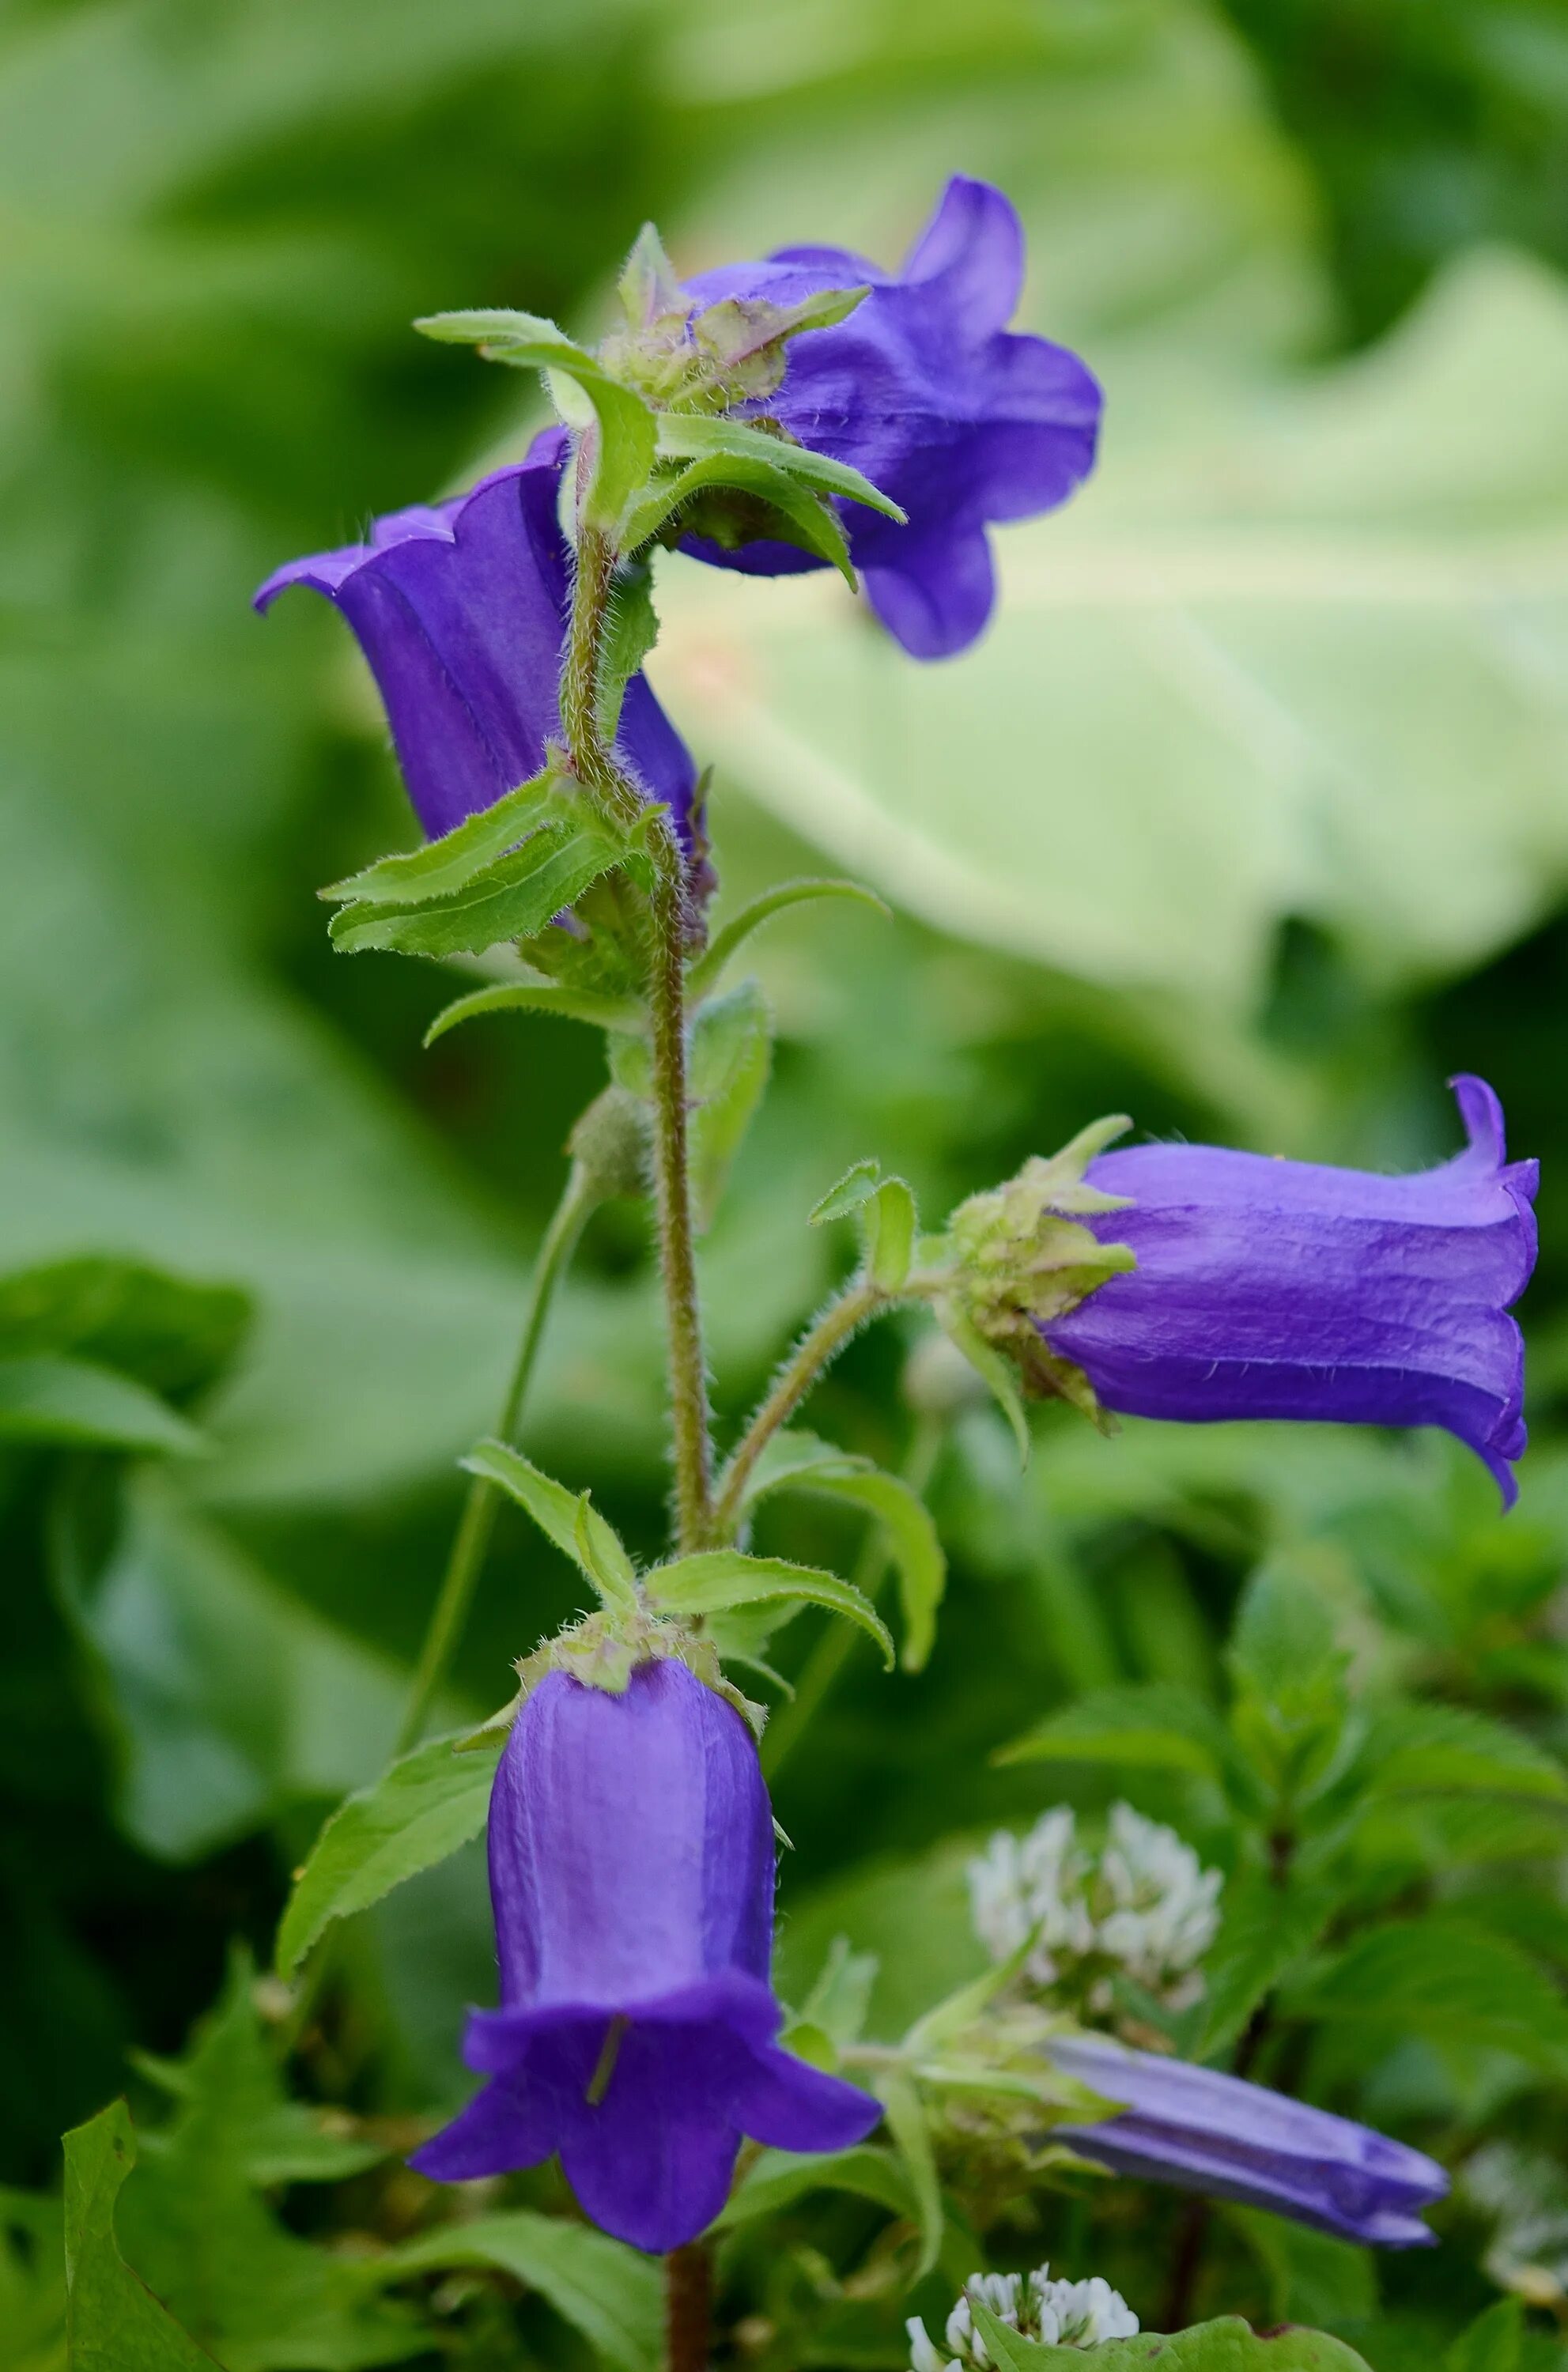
(631,1875)
(1203,2131)
(460,610)
(1271,1289)
(925,392)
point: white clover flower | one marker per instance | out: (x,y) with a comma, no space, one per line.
(1059,2314)
(1146,1906)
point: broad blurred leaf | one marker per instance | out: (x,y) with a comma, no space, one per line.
(1226,2346)
(1265,1930)
(1445,1979)
(423,1809)
(609,2293)
(114,2323)
(66,1404)
(732,1052)
(32,2283)
(1155,1728)
(777,2179)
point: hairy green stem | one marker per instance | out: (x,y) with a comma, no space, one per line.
(817,1347)
(478,1519)
(597,770)
(835,1644)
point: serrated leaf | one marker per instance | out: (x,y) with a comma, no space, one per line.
(567,1518)
(626,425)
(912,1539)
(1154,1728)
(726,944)
(732,1051)
(422,1808)
(443,867)
(1442,1749)
(612,2293)
(717,1579)
(686,436)
(1227,2345)
(113,2322)
(1265,1930)
(512,899)
(1444,1979)
(777,2179)
(538,996)
(1283,1634)
(69,1403)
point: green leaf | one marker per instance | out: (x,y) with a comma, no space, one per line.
(422,1808)
(1312,2277)
(173,1337)
(1447,1979)
(801,1463)
(113,2322)
(716,1579)
(854,1189)
(687,436)
(1265,1930)
(776,2180)
(609,2293)
(68,1403)
(510,900)
(726,944)
(1283,1636)
(840,1997)
(567,1518)
(626,425)
(792,512)
(1154,1728)
(1442,1749)
(891,1222)
(1492,2342)
(1226,2345)
(538,997)
(732,1052)
(445,865)
(32,2282)
(912,2138)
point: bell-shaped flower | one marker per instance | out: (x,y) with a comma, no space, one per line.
(1205,2131)
(926,393)
(460,610)
(631,1875)
(1273,1288)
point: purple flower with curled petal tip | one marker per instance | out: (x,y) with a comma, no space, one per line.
(631,1875)
(925,392)
(460,610)
(1205,2131)
(1269,1288)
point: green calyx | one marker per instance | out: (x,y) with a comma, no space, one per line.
(1018,1256)
(685,358)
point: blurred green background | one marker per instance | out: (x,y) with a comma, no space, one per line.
(1250,817)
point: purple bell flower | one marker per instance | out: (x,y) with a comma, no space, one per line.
(924,390)
(1201,2130)
(1269,1288)
(460,610)
(631,1875)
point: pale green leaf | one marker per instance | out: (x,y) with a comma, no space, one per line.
(512,898)
(419,1810)
(777,2179)
(911,2139)
(567,1518)
(71,1403)
(732,1049)
(907,1524)
(717,1579)
(687,436)
(726,944)
(538,996)
(443,867)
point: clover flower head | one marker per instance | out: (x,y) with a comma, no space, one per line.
(1143,1906)
(1054,2313)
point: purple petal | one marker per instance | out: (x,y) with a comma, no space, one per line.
(973,250)
(938,596)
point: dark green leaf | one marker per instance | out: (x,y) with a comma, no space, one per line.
(68,1403)
(1265,1930)
(1444,1748)
(1492,2342)
(113,2322)
(172,1336)
(609,2293)
(1151,1728)
(1448,1981)
(423,1809)
(777,2179)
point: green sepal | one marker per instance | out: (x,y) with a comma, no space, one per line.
(773,504)
(567,1518)
(726,944)
(691,436)
(625,441)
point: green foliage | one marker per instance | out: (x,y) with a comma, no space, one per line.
(610,2293)
(796,1462)
(567,1518)
(113,2322)
(428,1803)
(1226,2346)
(715,1581)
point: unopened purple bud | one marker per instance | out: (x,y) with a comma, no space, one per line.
(1201,2130)
(1268,1288)
(631,1875)
(460,610)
